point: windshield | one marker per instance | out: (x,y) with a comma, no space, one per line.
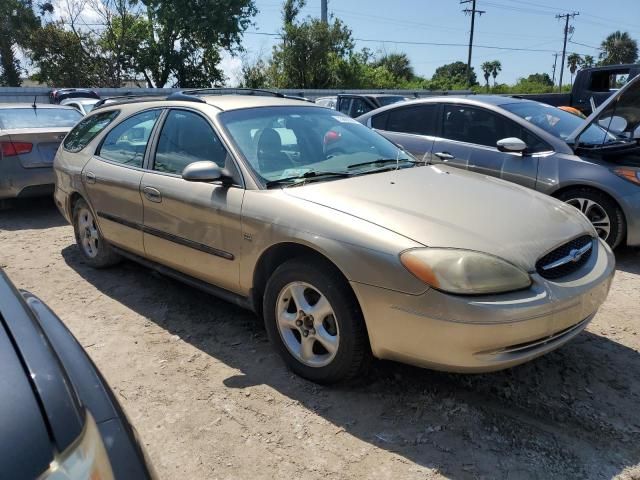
(558,122)
(384,101)
(11,118)
(299,142)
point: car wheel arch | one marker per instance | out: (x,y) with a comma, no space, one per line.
(276,255)
(583,186)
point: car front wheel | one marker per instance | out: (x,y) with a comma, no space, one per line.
(314,321)
(603,213)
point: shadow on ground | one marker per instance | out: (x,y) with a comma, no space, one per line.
(30,214)
(570,414)
(628,260)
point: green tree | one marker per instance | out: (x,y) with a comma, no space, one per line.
(255,74)
(487,67)
(534,83)
(397,64)
(587,61)
(452,76)
(496,68)
(618,47)
(573,61)
(64,58)
(124,30)
(17,21)
(312,54)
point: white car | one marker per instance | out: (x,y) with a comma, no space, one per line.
(83,105)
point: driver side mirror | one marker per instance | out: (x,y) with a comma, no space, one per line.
(205,171)
(511,145)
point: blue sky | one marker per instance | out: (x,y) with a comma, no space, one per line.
(506,23)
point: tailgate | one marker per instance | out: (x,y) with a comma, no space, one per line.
(44,145)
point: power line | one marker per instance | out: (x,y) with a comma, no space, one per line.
(566,16)
(471,11)
(435,44)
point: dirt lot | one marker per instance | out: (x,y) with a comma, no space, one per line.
(211,399)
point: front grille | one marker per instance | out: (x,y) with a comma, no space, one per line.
(566,257)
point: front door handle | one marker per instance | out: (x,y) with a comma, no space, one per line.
(90,177)
(152,194)
(444,156)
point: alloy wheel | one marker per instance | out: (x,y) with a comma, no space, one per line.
(596,214)
(307,324)
(88,233)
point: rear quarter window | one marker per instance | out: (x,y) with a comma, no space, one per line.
(87,129)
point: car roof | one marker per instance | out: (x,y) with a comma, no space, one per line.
(222,102)
(478,100)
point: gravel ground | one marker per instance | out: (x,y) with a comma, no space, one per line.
(211,399)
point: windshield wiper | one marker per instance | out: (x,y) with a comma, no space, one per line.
(306,177)
(381,162)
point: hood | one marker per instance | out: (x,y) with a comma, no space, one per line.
(619,115)
(446,207)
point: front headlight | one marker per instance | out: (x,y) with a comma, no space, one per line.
(464,271)
(631,174)
(85,459)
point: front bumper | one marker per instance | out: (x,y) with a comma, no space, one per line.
(485,333)
(17,181)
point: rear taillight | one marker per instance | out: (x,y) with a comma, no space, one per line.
(11,149)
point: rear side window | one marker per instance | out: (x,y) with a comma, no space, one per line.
(127,142)
(186,137)
(11,118)
(359,107)
(418,120)
(87,129)
(345,105)
(379,122)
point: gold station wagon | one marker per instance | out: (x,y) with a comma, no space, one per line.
(345,244)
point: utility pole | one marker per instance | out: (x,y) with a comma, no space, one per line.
(555,62)
(471,11)
(566,16)
(323,12)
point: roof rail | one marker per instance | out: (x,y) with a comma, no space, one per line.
(118,99)
(185,97)
(227,90)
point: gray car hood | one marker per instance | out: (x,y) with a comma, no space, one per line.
(443,207)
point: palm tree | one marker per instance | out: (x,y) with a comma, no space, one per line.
(486,70)
(587,61)
(573,60)
(618,47)
(496,67)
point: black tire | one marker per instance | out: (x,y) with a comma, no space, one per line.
(618,226)
(104,256)
(353,354)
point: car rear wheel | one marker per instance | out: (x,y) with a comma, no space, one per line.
(94,249)
(603,213)
(314,321)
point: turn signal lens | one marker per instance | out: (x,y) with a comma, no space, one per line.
(631,174)
(11,149)
(464,272)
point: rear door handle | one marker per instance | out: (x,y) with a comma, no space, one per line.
(90,177)
(152,194)
(444,156)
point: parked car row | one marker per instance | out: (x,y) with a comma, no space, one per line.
(395,241)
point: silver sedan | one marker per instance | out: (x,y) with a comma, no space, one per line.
(345,244)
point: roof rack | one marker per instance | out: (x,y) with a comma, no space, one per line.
(119,99)
(227,90)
